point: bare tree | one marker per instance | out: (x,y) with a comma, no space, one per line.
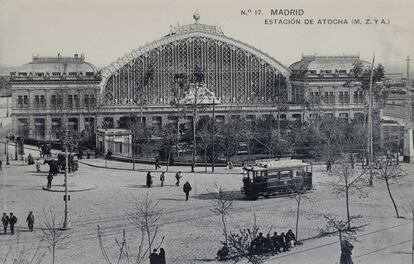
(389,174)
(336,227)
(19,254)
(348,181)
(298,190)
(241,244)
(145,217)
(52,233)
(409,209)
(222,207)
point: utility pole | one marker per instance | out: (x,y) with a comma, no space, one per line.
(66,197)
(408,131)
(193,162)
(213,136)
(7,108)
(370,139)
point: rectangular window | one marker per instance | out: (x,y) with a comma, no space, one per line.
(73,73)
(70,101)
(356,101)
(55,74)
(20,101)
(60,101)
(36,101)
(316,98)
(86,100)
(331,98)
(53,101)
(26,101)
(326,98)
(341,97)
(42,101)
(76,100)
(346,98)
(361,97)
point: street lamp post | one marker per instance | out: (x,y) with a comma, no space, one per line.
(7,151)
(66,219)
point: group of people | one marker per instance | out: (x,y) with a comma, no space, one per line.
(273,244)
(12,220)
(156,258)
(186,188)
(261,245)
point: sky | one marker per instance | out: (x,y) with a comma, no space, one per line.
(107,29)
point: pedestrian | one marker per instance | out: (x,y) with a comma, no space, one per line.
(162,178)
(30,221)
(12,222)
(187,189)
(38,164)
(149,180)
(5,221)
(290,238)
(157,164)
(30,160)
(351,159)
(154,257)
(49,180)
(230,165)
(328,165)
(162,256)
(346,252)
(178,177)
(276,245)
(1,164)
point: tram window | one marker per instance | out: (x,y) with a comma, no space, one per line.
(272,174)
(285,174)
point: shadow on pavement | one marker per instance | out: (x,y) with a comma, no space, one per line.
(231,195)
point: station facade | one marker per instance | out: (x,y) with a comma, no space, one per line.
(151,81)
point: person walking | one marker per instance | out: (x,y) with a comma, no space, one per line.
(187,189)
(154,257)
(178,177)
(38,164)
(162,256)
(12,222)
(49,180)
(5,221)
(157,164)
(162,178)
(30,160)
(149,180)
(30,221)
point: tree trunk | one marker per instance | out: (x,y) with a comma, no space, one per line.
(223,219)
(53,254)
(392,198)
(348,218)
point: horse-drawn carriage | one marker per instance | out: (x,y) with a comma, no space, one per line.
(59,165)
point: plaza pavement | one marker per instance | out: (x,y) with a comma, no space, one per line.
(191,231)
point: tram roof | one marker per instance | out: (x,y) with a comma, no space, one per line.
(277,165)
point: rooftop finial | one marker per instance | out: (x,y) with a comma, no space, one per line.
(196,16)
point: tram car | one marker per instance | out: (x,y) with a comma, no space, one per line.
(275,177)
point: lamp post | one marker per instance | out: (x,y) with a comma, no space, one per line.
(7,151)
(66,219)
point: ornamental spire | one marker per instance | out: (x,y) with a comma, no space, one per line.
(196,16)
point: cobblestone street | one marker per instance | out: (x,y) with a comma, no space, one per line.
(192,232)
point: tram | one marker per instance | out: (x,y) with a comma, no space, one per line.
(275,177)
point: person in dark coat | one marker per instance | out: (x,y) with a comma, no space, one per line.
(12,222)
(162,256)
(30,221)
(162,178)
(187,189)
(49,180)
(5,221)
(290,238)
(30,160)
(276,245)
(178,177)
(154,257)
(157,164)
(258,244)
(282,242)
(149,180)
(346,252)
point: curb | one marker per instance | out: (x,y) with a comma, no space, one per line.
(73,190)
